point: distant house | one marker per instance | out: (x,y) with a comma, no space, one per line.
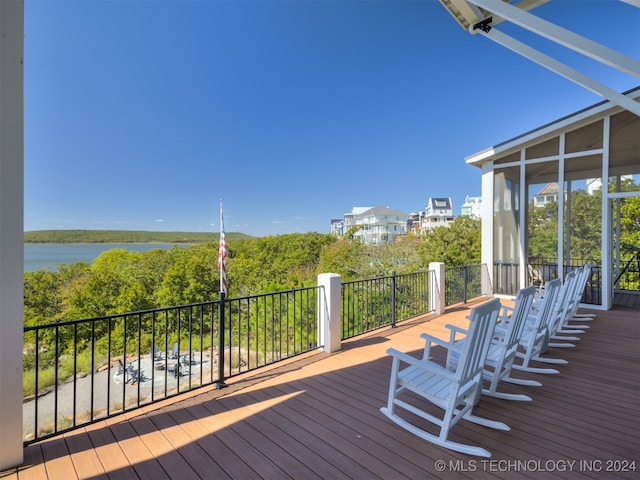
(376,225)
(549,194)
(472,207)
(439,213)
(337,227)
(414,221)
(595,184)
(350,219)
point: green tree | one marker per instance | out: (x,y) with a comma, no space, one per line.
(349,259)
(47,292)
(455,245)
(586,225)
(191,278)
(275,262)
(543,231)
(630,221)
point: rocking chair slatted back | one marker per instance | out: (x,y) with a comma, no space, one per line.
(477,342)
(522,307)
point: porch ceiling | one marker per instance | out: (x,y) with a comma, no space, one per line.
(583,137)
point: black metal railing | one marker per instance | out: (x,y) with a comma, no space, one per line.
(463,283)
(264,329)
(78,372)
(628,278)
(379,302)
(505,278)
(542,270)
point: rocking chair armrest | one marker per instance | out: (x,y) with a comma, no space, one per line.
(504,310)
(449,345)
(404,357)
(438,341)
(420,363)
(455,329)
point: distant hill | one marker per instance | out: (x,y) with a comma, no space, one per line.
(126,236)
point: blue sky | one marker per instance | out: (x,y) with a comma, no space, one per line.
(141,115)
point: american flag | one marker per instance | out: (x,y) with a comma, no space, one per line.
(222,255)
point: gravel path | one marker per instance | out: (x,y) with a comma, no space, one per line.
(110,390)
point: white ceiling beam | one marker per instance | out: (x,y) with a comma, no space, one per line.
(464,13)
(635,3)
(522,5)
(562,69)
(561,36)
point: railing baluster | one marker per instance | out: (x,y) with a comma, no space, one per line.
(93,368)
(75,371)
(139,374)
(221,305)
(393,299)
(56,379)
(36,387)
(108,367)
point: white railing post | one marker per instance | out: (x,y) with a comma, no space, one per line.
(487,288)
(329,312)
(11,231)
(436,287)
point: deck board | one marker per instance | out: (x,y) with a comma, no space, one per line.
(85,460)
(317,416)
(111,456)
(135,449)
(57,460)
(179,429)
(174,464)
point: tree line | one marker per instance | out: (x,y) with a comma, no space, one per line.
(121,281)
(124,236)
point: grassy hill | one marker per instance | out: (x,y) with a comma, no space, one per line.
(125,236)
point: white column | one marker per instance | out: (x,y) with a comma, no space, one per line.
(487,247)
(11,231)
(605,246)
(436,287)
(561,209)
(523,214)
(329,335)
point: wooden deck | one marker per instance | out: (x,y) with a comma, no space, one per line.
(317,417)
(627,300)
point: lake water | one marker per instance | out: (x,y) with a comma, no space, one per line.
(50,255)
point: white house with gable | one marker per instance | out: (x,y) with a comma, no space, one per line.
(376,225)
(439,213)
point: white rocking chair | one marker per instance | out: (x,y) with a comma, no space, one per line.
(582,317)
(455,392)
(535,335)
(558,329)
(503,347)
(566,326)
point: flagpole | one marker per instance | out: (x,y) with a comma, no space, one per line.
(222,255)
(222,266)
